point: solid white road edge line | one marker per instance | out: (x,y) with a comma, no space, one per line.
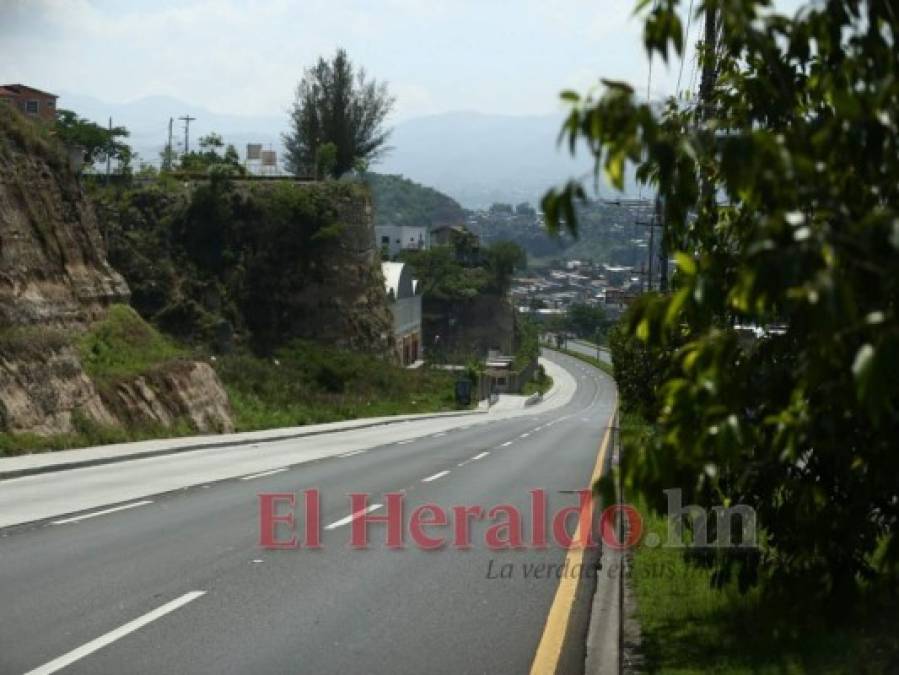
(352,517)
(434,477)
(75,519)
(113,635)
(264,474)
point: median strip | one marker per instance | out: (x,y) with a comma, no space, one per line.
(117,634)
(85,516)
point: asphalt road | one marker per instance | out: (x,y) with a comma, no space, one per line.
(178,583)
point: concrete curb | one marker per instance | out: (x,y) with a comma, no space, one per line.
(209,445)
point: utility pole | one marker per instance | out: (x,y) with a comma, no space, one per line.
(187,120)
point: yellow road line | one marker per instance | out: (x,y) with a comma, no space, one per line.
(546,660)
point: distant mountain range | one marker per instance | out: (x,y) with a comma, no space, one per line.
(475,158)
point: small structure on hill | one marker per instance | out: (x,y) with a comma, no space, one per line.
(29,101)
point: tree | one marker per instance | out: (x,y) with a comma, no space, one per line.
(208,157)
(335,103)
(586,321)
(503,258)
(98,142)
(780,195)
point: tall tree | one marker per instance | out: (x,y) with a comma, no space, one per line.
(336,104)
(97,141)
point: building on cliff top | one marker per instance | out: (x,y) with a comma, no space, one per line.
(30,101)
(405,308)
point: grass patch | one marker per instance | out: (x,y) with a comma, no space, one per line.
(539,386)
(87,433)
(690,627)
(307,383)
(124,345)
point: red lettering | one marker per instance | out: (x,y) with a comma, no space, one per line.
(418,522)
(269,519)
(313,519)
(361,519)
(461,529)
(538,519)
(584,531)
(507,533)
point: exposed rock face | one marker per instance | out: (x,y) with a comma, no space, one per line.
(186,390)
(54,282)
(53,267)
(41,395)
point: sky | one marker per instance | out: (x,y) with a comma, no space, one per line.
(245,57)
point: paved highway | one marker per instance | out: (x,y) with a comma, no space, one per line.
(154,565)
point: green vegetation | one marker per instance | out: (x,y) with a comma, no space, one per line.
(224,265)
(338,111)
(690,625)
(124,345)
(88,433)
(213,156)
(30,136)
(541,383)
(780,193)
(99,142)
(606,234)
(464,270)
(400,201)
(306,383)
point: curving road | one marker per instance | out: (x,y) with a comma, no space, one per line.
(154,565)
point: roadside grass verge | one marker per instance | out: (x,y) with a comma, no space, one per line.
(539,386)
(690,627)
(87,433)
(308,383)
(303,383)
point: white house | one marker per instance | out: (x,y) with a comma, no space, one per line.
(396,238)
(405,307)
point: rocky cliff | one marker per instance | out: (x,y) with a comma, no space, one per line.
(230,263)
(55,286)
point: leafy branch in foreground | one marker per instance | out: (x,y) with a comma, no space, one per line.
(780,196)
